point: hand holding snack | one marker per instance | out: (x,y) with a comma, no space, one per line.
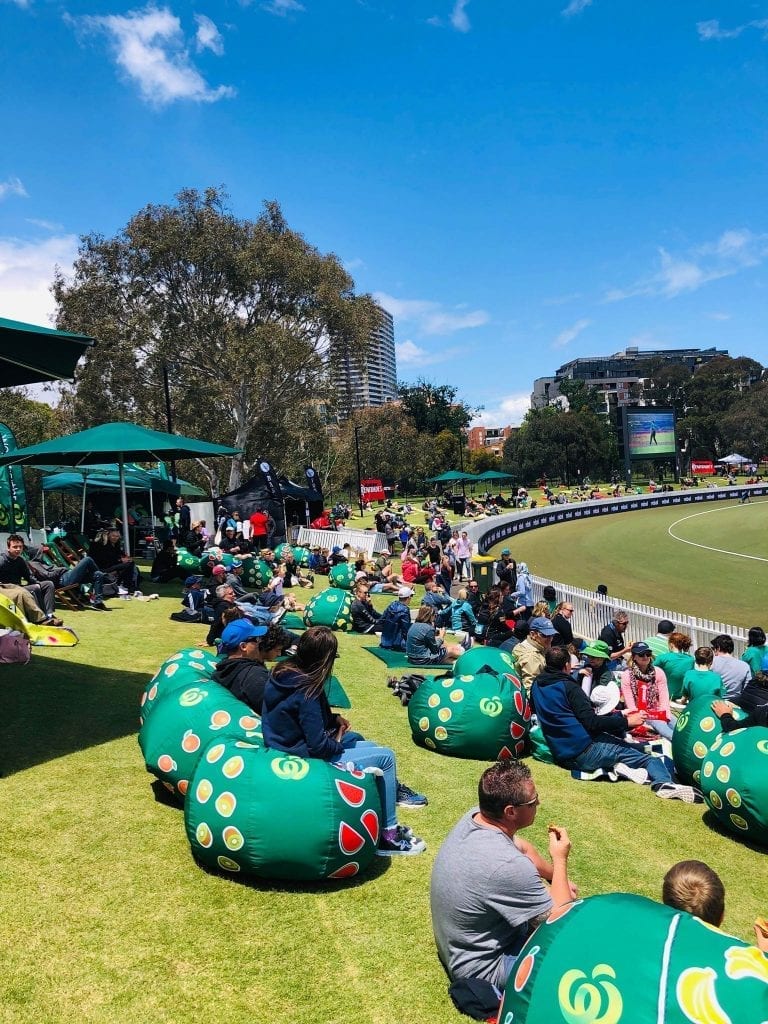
(559,842)
(761,934)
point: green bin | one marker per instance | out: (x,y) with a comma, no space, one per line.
(482,572)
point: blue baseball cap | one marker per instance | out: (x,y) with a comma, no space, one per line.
(239,632)
(542,625)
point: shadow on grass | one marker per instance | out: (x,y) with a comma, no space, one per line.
(714,824)
(49,709)
(377,868)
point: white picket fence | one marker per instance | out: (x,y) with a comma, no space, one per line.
(369,541)
(591,612)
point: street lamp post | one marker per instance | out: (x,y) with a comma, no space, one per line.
(359,474)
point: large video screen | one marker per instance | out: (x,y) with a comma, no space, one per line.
(650,433)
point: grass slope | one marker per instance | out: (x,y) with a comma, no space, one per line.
(106,918)
(636,557)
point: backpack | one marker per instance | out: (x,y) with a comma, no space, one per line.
(15,648)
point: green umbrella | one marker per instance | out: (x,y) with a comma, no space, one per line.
(110,442)
(34,355)
(494,474)
(452,476)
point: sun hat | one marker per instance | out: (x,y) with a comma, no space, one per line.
(404,592)
(605,697)
(641,648)
(598,649)
(239,632)
(542,625)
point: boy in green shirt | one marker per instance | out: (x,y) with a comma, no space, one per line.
(701,680)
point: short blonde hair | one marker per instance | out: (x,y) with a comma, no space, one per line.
(693,886)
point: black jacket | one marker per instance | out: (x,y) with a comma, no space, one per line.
(245,679)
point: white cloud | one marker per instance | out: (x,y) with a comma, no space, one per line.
(562,300)
(283,7)
(459,18)
(731,252)
(575,7)
(508,411)
(566,337)
(46,225)
(719,316)
(711,29)
(12,187)
(24,4)
(26,273)
(410,354)
(208,36)
(149,46)
(431,317)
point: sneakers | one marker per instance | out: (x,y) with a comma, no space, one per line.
(98,604)
(466,643)
(52,620)
(638,775)
(407,798)
(400,845)
(676,791)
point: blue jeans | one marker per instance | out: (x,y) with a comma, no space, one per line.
(662,728)
(605,753)
(84,572)
(367,754)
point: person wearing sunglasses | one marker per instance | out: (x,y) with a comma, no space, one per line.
(488,890)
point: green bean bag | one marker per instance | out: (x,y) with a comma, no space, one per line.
(342,575)
(256,573)
(186,667)
(734,781)
(331,607)
(486,659)
(482,716)
(281,549)
(187,561)
(621,959)
(696,730)
(182,724)
(254,811)
(301,556)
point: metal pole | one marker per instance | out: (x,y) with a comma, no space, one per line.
(359,474)
(124,502)
(461,467)
(168,417)
(82,507)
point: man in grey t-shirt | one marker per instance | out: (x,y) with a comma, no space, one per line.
(488,890)
(734,673)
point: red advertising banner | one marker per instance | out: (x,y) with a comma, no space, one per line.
(372,490)
(699,467)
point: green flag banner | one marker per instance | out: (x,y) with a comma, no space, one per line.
(13,496)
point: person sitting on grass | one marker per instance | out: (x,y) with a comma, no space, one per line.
(192,601)
(676,661)
(756,654)
(491,888)
(734,673)
(424,644)
(644,688)
(692,886)
(463,618)
(297,719)
(110,558)
(395,621)
(583,741)
(436,598)
(28,606)
(365,618)
(492,621)
(614,635)
(531,652)
(413,571)
(701,681)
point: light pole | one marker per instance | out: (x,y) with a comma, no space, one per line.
(359,474)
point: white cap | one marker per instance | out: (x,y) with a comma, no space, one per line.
(404,592)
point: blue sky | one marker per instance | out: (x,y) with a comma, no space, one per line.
(519,181)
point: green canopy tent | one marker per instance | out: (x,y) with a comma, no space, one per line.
(35,355)
(494,474)
(451,476)
(114,442)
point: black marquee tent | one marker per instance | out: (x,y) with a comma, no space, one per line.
(299,505)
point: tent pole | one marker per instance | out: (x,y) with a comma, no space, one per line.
(82,506)
(151,513)
(42,492)
(124,502)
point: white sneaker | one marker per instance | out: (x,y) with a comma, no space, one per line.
(676,791)
(638,775)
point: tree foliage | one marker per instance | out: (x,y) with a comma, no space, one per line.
(241,316)
(434,407)
(554,443)
(31,423)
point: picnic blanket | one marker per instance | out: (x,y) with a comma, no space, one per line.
(397,659)
(292,621)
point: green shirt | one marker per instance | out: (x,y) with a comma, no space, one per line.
(754,658)
(675,665)
(702,684)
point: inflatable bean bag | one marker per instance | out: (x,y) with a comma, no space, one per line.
(182,724)
(301,556)
(342,575)
(281,549)
(734,781)
(186,667)
(187,561)
(12,617)
(575,968)
(695,731)
(479,659)
(261,812)
(331,607)
(483,716)
(256,573)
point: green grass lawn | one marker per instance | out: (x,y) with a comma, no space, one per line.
(636,557)
(106,918)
